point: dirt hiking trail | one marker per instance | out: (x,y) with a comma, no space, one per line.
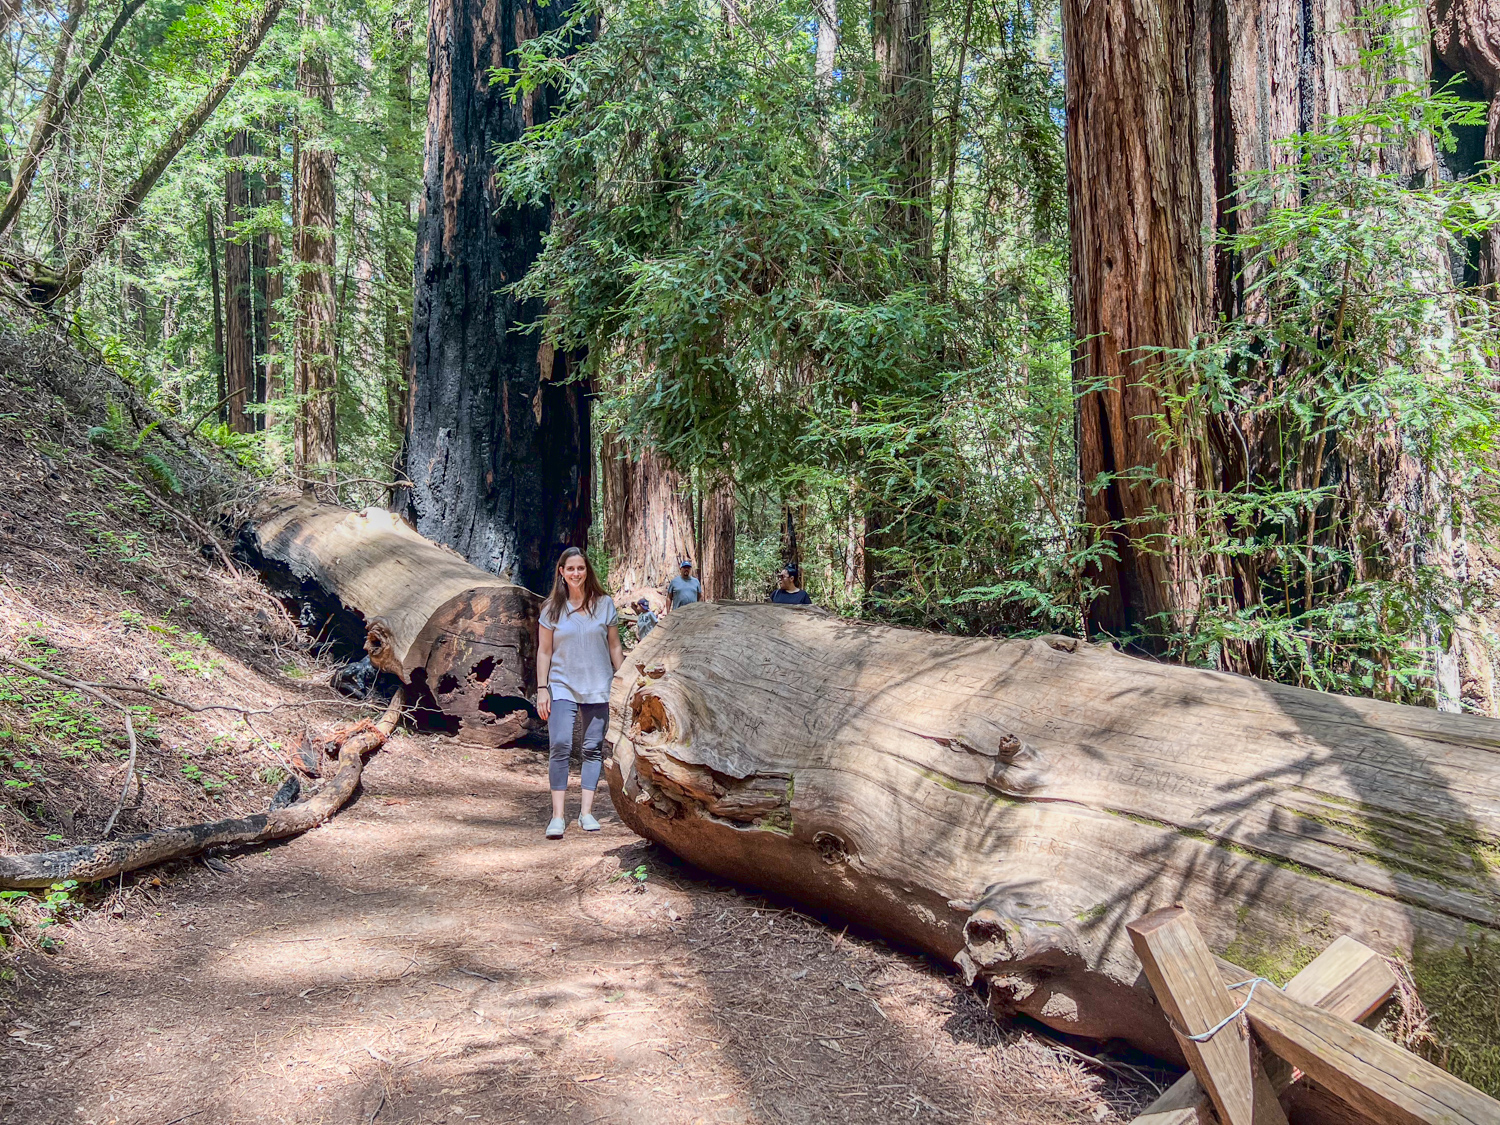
(429,957)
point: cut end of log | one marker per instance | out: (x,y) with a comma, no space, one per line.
(463,638)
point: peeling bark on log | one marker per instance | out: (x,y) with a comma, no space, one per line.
(1011,805)
(89,862)
(463,638)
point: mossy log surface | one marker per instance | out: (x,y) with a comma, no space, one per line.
(463,638)
(1011,805)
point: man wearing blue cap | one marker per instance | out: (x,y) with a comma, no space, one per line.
(684,589)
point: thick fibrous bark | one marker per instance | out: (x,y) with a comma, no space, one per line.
(648,518)
(498,449)
(464,639)
(1172,104)
(1011,805)
(719,526)
(88,862)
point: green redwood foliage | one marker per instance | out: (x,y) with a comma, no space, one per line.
(146,305)
(720,245)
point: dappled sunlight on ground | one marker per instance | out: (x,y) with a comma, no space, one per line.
(429,957)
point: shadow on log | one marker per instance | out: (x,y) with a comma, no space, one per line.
(1010,805)
(462,638)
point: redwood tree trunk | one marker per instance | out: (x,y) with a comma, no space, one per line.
(239,319)
(718,542)
(1171,103)
(498,448)
(316,358)
(648,518)
(213,275)
(274,287)
(903,52)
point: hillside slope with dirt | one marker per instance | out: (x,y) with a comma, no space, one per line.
(425,957)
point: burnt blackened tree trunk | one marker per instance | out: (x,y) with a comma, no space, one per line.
(498,443)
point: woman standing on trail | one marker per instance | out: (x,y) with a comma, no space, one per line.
(577,652)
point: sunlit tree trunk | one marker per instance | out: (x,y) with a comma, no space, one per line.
(1171,103)
(648,519)
(827,12)
(316,447)
(498,447)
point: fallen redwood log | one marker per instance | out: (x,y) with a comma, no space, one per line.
(89,862)
(463,638)
(1010,805)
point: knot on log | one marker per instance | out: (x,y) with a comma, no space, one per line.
(380,642)
(1007,930)
(1020,768)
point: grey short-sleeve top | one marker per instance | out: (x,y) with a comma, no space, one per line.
(581,670)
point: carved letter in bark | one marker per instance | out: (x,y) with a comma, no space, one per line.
(1011,805)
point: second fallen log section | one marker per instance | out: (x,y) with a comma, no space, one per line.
(1011,805)
(463,638)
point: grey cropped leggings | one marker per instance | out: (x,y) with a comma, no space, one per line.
(560,726)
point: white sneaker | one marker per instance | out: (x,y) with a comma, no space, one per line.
(555,828)
(587,822)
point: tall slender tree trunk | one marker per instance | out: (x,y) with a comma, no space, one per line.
(274,284)
(397,260)
(827,13)
(239,318)
(315,378)
(903,52)
(260,257)
(498,448)
(213,275)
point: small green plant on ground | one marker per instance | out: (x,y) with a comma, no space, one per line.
(33,913)
(635,879)
(117,433)
(194,772)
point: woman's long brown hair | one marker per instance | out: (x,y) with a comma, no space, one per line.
(556,605)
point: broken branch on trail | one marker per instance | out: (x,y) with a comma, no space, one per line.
(1011,805)
(463,638)
(88,862)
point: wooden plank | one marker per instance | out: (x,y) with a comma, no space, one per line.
(1188,986)
(1389,1085)
(1347,979)
(1183,1103)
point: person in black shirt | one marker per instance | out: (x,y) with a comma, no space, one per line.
(787,591)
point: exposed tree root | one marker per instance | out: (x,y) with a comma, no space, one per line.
(88,862)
